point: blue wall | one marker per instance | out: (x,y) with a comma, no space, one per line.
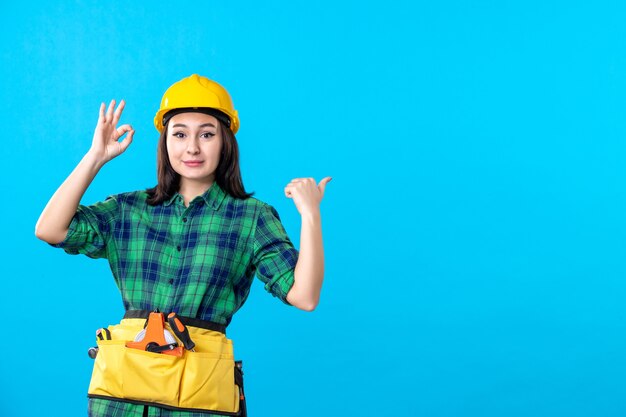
(474,229)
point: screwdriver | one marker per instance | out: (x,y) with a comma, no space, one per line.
(181,331)
(103,334)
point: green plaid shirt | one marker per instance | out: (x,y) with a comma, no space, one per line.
(198,261)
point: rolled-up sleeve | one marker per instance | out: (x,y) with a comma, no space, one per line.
(90,229)
(275,256)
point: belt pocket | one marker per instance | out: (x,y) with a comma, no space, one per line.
(151,377)
(208,382)
(134,374)
(105,380)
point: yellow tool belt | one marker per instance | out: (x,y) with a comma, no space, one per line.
(204,380)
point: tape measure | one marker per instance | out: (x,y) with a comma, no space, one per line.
(169,338)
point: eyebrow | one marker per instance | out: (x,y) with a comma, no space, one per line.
(202,125)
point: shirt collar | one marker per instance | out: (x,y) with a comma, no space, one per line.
(212,197)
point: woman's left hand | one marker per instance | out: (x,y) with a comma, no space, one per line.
(306,194)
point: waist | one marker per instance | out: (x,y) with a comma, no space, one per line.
(187,321)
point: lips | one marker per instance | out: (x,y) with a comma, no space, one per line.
(193,163)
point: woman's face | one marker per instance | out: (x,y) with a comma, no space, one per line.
(194,145)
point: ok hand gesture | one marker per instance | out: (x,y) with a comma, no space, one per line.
(105,145)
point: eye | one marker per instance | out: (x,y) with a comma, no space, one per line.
(207,135)
(179,135)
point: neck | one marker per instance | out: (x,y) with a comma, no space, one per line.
(191,189)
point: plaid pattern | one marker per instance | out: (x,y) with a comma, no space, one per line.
(105,408)
(198,261)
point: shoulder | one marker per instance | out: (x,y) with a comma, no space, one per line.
(131,197)
(251,208)
(253,204)
(264,212)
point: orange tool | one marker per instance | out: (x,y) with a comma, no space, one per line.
(154,338)
(181,331)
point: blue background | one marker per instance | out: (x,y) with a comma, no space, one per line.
(473,231)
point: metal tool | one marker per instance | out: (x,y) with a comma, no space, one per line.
(103,334)
(93,352)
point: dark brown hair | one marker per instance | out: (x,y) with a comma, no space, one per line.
(227,173)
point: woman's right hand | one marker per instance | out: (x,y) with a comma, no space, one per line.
(105,145)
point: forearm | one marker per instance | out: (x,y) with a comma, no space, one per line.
(55,219)
(309,272)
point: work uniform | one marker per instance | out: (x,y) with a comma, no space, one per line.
(198,261)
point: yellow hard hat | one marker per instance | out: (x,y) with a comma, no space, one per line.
(197,93)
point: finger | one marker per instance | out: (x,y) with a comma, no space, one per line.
(123,129)
(118,112)
(127,140)
(322,185)
(101,115)
(325,181)
(303,179)
(109,114)
(303,182)
(298,181)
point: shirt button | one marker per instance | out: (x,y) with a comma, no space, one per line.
(184,220)
(171,281)
(178,248)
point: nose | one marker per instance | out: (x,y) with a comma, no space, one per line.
(192,147)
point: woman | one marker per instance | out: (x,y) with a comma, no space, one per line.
(191,245)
